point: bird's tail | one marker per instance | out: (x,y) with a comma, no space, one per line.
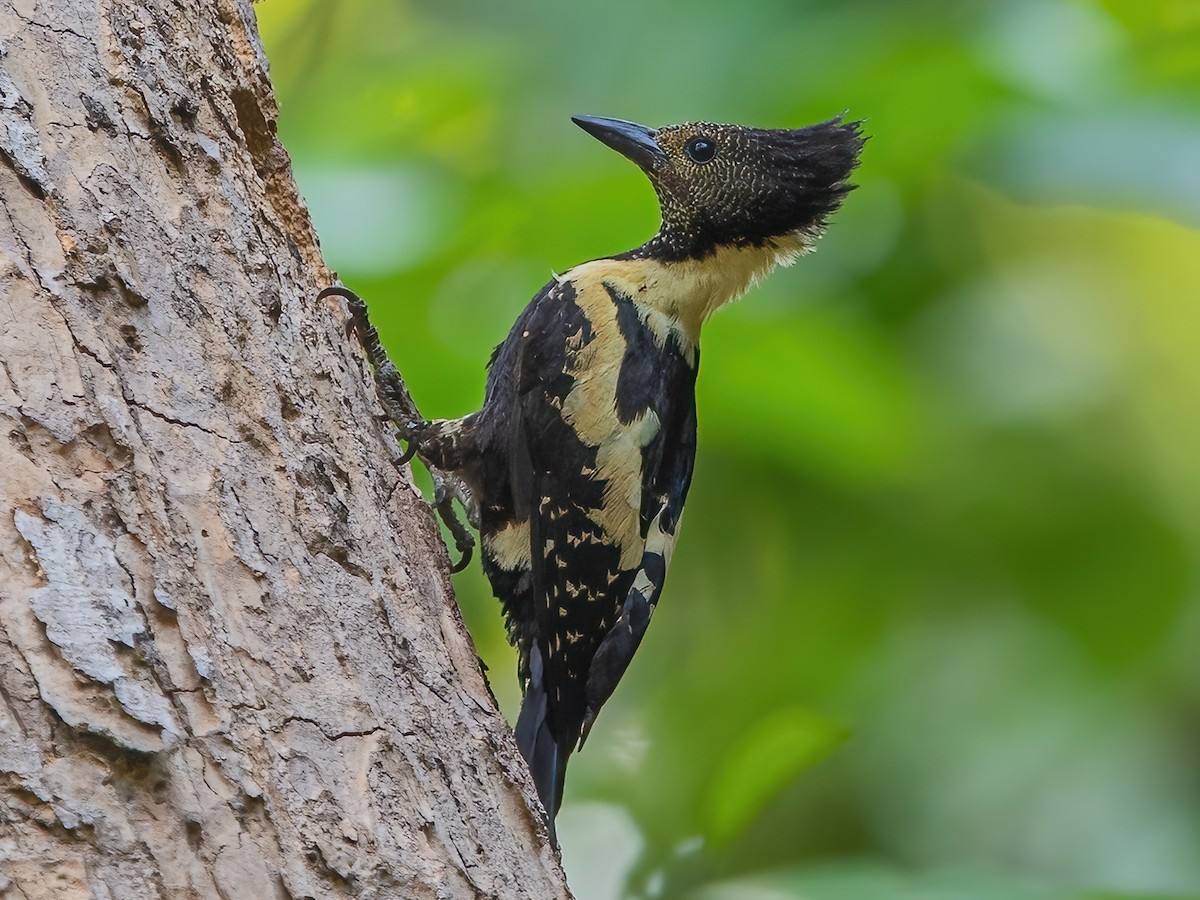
(546,757)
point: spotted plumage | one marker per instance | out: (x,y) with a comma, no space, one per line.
(581,457)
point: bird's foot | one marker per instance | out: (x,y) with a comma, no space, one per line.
(398,404)
(447,489)
(402,413)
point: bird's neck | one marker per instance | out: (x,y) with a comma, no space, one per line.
(679,294)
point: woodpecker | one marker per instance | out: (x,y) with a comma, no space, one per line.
(577,466)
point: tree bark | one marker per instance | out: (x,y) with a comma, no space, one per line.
(230,660)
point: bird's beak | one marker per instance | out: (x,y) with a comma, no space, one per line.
(636,142)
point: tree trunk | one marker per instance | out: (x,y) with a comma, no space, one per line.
(230,660)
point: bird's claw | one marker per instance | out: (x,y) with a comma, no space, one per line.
(443,501)
(406,457)
(389,385)
(404,417)
(464,560)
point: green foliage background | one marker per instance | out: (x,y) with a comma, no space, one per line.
(932,628)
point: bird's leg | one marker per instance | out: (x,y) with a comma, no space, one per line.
(446,489)
(389,383)
(404,416)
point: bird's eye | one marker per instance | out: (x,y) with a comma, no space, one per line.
(700,149)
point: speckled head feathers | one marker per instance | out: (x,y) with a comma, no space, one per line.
(733,185)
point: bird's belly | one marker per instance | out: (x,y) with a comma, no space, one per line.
(592,410)
(619,469)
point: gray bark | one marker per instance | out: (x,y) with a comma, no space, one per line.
(230,660)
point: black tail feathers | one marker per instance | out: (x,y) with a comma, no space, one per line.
(546,757)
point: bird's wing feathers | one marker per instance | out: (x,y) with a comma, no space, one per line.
(602,450)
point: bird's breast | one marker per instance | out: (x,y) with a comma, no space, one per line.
(612,409)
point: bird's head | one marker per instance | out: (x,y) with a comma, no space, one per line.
(734,186)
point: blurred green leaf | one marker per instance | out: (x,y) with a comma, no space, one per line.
(770,756)
(864,880)
(831,396)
